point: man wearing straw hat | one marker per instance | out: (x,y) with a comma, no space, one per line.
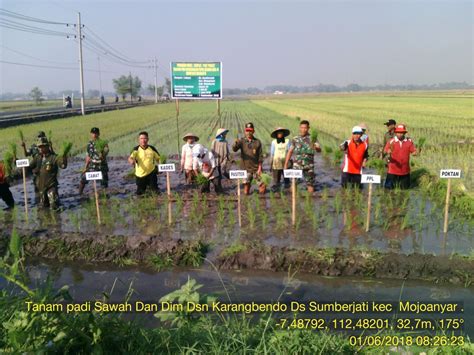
(220,150)
(278,151)
(46,166)
(399,150)
(187,156)
(252,156)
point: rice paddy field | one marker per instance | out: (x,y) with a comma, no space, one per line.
(327,251)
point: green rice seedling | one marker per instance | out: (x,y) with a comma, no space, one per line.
(21,135)
(327,150)
(264,179)
(201,180)
(377,164)
(13,149)
(160,262)
(314,135)
(230,213)
(100,145)
(264,218)
(421,142)
(337,156)
(66,149)
(325,194)
(338,202)
(8,163)
(163,159)
(179,202)
(251,215)
(329,222)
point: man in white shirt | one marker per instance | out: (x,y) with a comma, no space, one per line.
(204,163)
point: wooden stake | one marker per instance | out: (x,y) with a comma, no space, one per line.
(170,216)
(238,202)
(168,185)
(293,201)
(446,207)
(177,125)
(97,202)
(25,193)
(369,206)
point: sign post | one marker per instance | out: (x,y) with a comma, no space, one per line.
(369,179)
(238,174)
(448,174)
(293,175)
(167,168)
(24,163)
(94,176)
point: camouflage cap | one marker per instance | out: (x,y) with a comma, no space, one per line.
(41,134)
(42,141)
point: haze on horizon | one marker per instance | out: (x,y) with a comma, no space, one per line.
(260,43)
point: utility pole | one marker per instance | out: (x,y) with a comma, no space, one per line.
(156,83)
(100,78)
(81,64)
(131,92)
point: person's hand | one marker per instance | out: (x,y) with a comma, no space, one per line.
(317,147)
(259,171)
(364,163)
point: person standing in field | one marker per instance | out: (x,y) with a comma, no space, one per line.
(220,150)
(251,154)
(5,193)
(33,152)
(46,166)
(398,151)
(355,158)
(391,124)
(187,157)
(278,151)
(96,159)
(204,163)
(303,150)
(144,158)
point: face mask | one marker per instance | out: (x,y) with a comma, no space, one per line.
(220,138)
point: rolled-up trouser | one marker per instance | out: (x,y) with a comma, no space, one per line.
(50,197)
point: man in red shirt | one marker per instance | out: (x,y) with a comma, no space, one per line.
(399,149)
(355,158)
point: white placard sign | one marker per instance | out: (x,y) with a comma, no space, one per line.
(238,174)
(22,163)
(450,174)
(370,179)
(166,167)
(292,173)
(94,175)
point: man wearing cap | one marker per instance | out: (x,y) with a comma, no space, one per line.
(278,151)
(144,158)
(46,166)
(303,150)
(187,156)
(398,150)
(220,150)
(96,159)
(388,135)
(5,193)
(355,158)
(252,156)
(204,162)
(33,152)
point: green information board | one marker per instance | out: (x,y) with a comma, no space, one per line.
(196,80)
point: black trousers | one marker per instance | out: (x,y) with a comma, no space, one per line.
(353,180)
(148,182)
(402,181)
(6,194)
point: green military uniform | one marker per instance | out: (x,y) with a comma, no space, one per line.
(46,167)
(303,153)
(98,162)
(386,138)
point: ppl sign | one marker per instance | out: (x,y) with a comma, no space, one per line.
(450,174)
(166,167)
(22,163)
(370,179)
(290,173)
(94,175)
(238,174)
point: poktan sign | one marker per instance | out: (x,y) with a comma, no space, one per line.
(196,80)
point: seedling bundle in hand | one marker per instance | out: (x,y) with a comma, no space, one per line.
(66,149)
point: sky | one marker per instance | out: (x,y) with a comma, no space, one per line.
(260,43)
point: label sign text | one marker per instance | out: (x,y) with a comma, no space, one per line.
(370,179)
(238,174)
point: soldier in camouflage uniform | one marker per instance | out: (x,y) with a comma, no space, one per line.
(95,160)
(303,150)
(388,135)
(46,166)
(33,152)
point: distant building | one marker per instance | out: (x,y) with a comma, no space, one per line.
(278,93)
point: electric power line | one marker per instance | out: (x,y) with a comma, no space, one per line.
(51,67)
(36,58)
(29,18)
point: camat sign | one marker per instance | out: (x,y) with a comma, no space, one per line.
(450,174)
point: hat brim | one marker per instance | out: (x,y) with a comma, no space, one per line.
(400,131)
(185,138)
(225,131)
(358,132)
(286,132)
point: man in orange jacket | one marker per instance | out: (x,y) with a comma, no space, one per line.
(355,157)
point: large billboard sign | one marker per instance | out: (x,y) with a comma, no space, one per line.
(196,80)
